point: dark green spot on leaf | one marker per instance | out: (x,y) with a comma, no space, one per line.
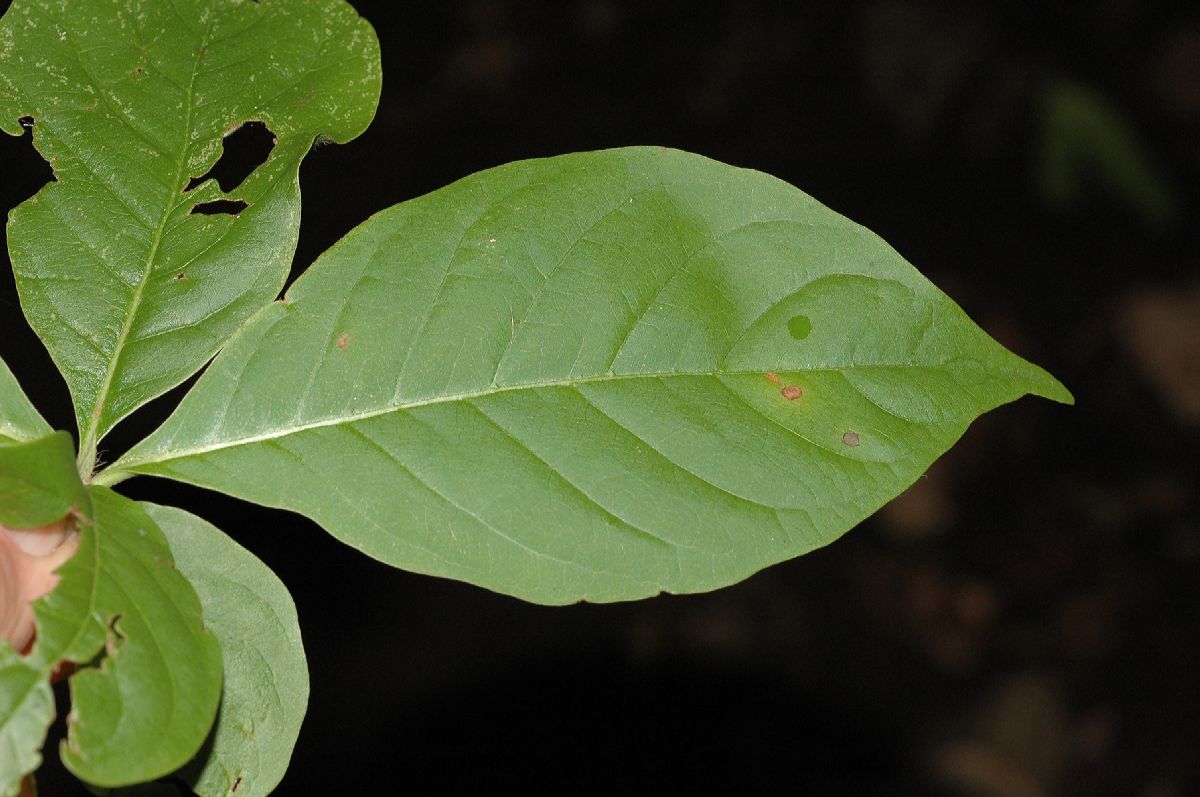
(799,326)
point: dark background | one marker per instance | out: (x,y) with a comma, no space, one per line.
(1024,621)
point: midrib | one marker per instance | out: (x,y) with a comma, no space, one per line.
(275,434)
(87,446)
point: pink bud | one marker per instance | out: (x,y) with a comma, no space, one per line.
(28,559)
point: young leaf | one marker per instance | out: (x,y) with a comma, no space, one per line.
(147,706)
(266,677)
(596,376)
(129,289)
(19,421)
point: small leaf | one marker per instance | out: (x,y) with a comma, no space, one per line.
(266,676)
(38,481)
(26,711)
(586,377)
(19,421)
(147,706)
(129,290)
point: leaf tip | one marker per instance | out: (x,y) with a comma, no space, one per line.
(1046,386)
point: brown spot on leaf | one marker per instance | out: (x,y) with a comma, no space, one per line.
(772,377)
(791,392)
(181,276)
(851,439)
(343,340)
(236,784)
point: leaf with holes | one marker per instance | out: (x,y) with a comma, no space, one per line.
(265,690)
(145,697)
(129,289)
(596,376)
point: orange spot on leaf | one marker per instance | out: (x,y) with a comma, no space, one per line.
(343,340)
(791,392)
(772,377)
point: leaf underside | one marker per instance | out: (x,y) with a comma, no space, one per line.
(130,291)
(593,377)
(265,689)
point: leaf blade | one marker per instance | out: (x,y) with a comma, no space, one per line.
(252,614)
(130,100)
(683,371)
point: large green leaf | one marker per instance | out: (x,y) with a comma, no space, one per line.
(266,676)
(594,377)
(145,707)
(19,421)
(129,290)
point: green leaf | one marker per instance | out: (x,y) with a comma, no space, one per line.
(26,711)
(266,676)
(130,291)
(146,707)
(38,481)
(581,378)
(19,421)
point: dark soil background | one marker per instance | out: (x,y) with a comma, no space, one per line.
(1024,621)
